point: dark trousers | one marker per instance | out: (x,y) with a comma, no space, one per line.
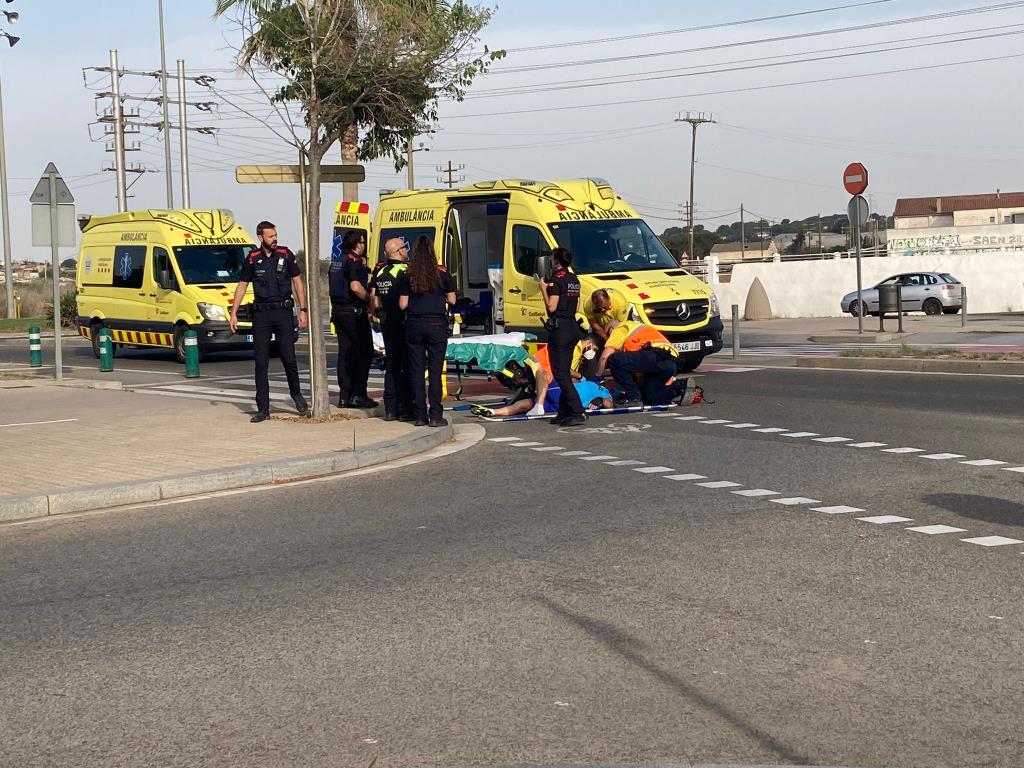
(280,323)
(427,340)
(561,344)
(397,383)
(656,367)
(355,351)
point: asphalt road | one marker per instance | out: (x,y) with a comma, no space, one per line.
(511,604)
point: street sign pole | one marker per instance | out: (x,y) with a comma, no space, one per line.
(58,361)
(855,181)
(860,287)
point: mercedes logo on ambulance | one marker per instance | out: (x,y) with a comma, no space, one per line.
(682,311)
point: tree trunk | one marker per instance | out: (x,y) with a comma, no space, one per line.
(318,363)
(349,147)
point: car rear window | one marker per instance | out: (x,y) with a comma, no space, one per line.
(948,278)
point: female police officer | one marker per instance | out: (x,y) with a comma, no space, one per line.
(425,291)
(561,298)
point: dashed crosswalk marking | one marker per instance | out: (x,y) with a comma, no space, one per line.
(624,463)
(688,418)
(526,444)
(983,463)
(718,421)
(866,445)
(546,448)
(771,430)
(652,470)
(597,458)
(756,492)
(800,434)
(840,509)
(933,530)
(885,519)
(992,541)
(793,501)
(903,450)
(242,389)
(719,484)
(831,439)
(683,477)
(506,439)
(942,456)
(1013,469)
(575,453)
(745,425)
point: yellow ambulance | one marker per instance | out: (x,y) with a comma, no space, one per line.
(496,237)
(349,215)
(151,275)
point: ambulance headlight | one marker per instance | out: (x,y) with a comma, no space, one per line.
(212,311)
(713,308)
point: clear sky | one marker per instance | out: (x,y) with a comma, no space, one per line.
(778,151)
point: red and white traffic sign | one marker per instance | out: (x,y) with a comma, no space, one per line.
(855,178)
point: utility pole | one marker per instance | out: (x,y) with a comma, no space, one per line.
(450,171)
(166,120)
(694,119)
(186,199)
(409,150)
(118,117)
(820,248)
(8,267)
(743,235)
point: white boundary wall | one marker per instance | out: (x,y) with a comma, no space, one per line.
(994,280)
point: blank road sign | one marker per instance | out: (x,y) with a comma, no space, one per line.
(289,174)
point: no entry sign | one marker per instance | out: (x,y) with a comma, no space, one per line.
(855,178)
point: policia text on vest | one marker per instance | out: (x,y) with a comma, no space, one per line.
(275,277)
(398,393)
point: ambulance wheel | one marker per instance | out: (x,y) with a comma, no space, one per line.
(689,362)
(94,337)
(179,343)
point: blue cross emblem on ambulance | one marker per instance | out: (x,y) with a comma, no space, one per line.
(124,267)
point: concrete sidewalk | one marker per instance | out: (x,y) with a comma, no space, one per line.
(70,449)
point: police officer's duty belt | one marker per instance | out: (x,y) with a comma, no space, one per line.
(267,306)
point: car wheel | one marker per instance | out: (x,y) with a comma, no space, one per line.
(858,309)
(932,307)
(689,362)
(179,342)
(94,337)
(950,310)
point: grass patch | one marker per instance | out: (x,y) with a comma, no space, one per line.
(23,324)
(934,353)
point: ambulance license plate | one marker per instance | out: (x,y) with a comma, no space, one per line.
(248,338)
(687,346)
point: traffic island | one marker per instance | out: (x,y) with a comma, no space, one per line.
(68,450)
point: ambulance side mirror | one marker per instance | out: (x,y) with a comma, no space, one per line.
(167,280)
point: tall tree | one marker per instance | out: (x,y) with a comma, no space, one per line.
(371,71)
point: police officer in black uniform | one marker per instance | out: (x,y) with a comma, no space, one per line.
(398,402)
(426,291)
(275,276)
(348,277)
(561,298)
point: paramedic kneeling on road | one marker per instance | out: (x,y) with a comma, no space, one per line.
(561,299)
(274,275)
(635,348)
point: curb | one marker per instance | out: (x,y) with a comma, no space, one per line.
(857,338)
(89,498)
(913,365)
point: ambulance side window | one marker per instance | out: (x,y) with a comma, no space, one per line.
(129,266)
(163,273)
(527,244)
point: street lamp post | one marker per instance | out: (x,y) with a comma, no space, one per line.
(5,218)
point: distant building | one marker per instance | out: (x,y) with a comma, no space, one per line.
(730,253)
(958,222)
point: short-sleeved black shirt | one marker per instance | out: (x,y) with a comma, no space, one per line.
(433,304)
(270,273)
(342,273)
(385,282)
(566,286)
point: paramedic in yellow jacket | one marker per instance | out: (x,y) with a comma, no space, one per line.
(602,307)
(634,348)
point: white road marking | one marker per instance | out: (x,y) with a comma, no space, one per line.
(191,396)
(624,463)
(832,439)
(771,430)
(689,418)
(801,434)
(505,439)
(575,453)
(719,484)
(735,370)
(792,501)
(837,510)
(942,456)
(597,458)
(756,492)
(866,445)
(685,477)
(1013,469)
(932,530)
(903,450)
(652,470)
(884,519)
(742,426)
(34,423)
(661,415)
(526,444)
(983,463)
(550,448)
(718,421)
(992,541)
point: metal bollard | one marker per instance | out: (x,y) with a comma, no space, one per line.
(963,306)
(899,303)
(35,347)
(735,331)
(106,351)
(191,355)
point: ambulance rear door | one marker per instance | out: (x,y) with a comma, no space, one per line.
(348,216)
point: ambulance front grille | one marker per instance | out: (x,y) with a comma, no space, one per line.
(667,312)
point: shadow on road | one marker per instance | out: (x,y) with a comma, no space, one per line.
(632,649)
(987,509)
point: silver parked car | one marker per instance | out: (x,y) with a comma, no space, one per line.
(930,292)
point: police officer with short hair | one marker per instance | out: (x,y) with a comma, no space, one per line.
(275,276)
(398,399)
(348,277)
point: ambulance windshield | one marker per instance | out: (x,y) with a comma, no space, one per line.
(201,264)
(612,246)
